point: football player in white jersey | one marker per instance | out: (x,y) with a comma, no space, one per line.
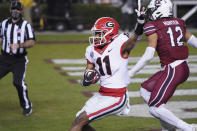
(107,60)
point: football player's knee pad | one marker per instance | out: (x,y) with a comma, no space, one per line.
(145,94)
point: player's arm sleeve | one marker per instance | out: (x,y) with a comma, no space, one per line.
(139,27)
(192,41)
(147,56)
(149,30)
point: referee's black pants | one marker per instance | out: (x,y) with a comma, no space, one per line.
(16,65)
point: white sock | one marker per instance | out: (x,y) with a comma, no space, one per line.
(165,115)
(184,126)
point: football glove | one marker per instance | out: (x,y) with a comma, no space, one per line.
(90,77)
(141,11)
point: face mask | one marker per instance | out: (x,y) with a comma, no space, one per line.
(16,15)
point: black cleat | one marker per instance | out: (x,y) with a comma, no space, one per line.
(28,111)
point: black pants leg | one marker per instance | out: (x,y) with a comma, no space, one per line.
(4,67)
(19,71)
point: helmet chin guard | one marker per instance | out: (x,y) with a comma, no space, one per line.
(104,31)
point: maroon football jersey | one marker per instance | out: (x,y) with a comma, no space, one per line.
(171,38)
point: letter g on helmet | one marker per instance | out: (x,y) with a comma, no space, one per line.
(108,27)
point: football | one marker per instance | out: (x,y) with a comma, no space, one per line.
(92,76)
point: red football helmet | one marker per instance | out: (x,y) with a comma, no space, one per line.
(104,30)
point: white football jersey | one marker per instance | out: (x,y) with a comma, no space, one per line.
(110,63)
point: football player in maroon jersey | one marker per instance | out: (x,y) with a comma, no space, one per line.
(166,35)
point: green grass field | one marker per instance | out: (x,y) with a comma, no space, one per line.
(56,100)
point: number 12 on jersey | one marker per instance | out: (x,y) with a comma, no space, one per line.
(178,39)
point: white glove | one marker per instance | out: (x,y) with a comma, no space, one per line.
(140,19)
(141,13)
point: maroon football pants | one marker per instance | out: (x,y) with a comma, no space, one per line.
(163,83)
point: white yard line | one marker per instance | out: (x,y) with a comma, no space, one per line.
(144,71)
(177,107)
(178,92)
(69,61)
(191,58)
(149,69)
(140,80)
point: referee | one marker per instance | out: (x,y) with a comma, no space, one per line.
(16,34)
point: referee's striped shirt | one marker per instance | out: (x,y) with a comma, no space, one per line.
(15,33)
